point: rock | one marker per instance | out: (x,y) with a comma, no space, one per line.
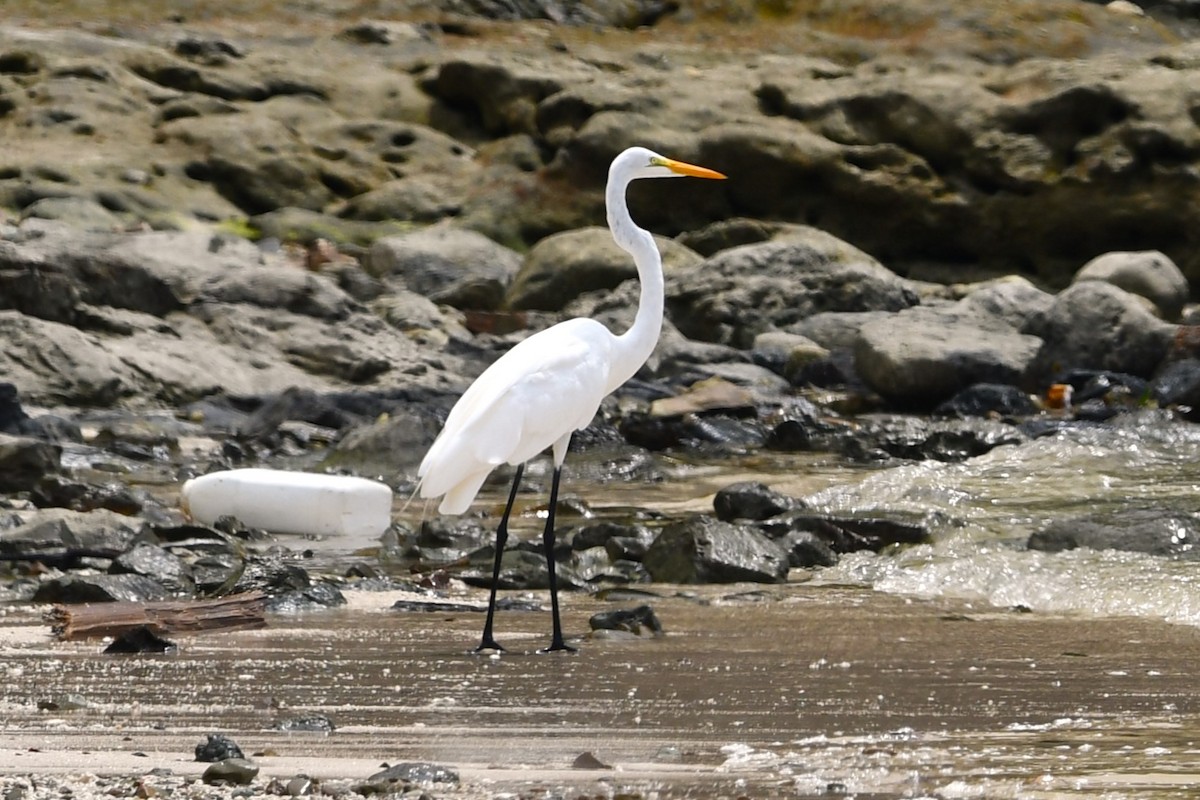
(1159,532)
(26,462)
(922,357)
(310,723)
(988,399)
(705,550)
(319,595)
(739,293)
(161,565)
(287,288)
(1096,325)
(1012,299)
(918,439)
(1178,386)
(14,420)
(78,212)
(1004,163)
(786,354)
(639,621)
(231,771)
(139,640)
(842,534)
(561,267)
(751,500)
(400,777)
(451,266)
(65,536)
(100,589)
(1149,274)
(806,550)
(598,534)
(217,747)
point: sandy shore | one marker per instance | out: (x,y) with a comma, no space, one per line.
(797,688)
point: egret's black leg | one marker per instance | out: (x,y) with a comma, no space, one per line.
(488,642)
(556,642)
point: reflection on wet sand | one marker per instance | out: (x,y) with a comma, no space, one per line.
(795,689)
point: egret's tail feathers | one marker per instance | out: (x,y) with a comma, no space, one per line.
(460,496)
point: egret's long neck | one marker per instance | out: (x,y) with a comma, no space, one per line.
(635,345)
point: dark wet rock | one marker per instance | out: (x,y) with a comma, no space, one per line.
(751,500)
(597,534)
(1150,274)
(987,400)
(312,723)
(100,589)
(640,621)
(435,606)
(230,771)
(58,491)
(454,533)
(217,747)
(61,537)
(406,774)
(452,266)
(1116,389)
(161,565)
(14,420)
(703,549)
(630,548)
(139,640)
(618,562)
(319,595)
(274,575)
(24,462)
(919,439)
(924,356)
(713,432)
(1154,531)
(841,534)
(523,566)
(216,573)
(564,266)
(807,550)
(293,404)
(1178,386)
(1095,325)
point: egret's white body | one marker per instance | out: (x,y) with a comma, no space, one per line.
(550,385)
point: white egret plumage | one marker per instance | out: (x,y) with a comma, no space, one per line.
(551,384)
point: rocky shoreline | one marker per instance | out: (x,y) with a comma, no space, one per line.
(420,195)
(224,246)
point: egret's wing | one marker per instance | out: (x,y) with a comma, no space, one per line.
(546,386)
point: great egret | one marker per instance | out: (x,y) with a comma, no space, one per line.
(551,384)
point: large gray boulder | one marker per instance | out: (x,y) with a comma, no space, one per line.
(561,267)
(457,267)
(739,293)
(923,356)
(1096,325)
(1149,274)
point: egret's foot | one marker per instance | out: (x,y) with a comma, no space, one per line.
(489,646)
(559,645)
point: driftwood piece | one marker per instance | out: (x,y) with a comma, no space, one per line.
(91,620)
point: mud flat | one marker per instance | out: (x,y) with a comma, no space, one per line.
(801,690)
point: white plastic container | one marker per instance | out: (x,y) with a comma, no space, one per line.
(281,501)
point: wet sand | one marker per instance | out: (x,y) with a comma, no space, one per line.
(798,690)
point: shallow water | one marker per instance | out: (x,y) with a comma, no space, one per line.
(795,691)
(906,674)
